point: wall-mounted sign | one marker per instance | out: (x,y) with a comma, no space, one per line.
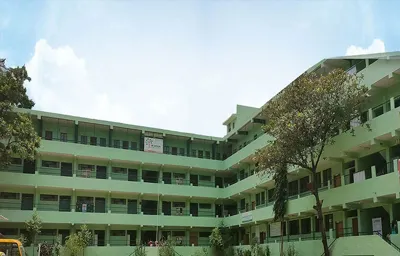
(153,145)
(275,229)
(247,217)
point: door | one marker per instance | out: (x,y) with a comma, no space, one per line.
(174,150)
(166,208)
(66,169)
(29,166)
(218,182)
(132,175)
(101,234)
(64,234)
(167,177)
(355,226)
(101,172)
(218,211)
(132,207)
(194,209)
(194,179)
(253,205)
(193,239)
(27,202)
(339,229)
(338,181)
(100,205)
(65,204)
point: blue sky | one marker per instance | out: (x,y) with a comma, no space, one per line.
(181,65)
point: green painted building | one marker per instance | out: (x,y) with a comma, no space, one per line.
(133,184)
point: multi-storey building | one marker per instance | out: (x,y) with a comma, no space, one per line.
(129,183)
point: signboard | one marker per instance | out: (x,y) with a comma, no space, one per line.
(377,226)
(153,145)
(247,216)
(275,229)
(359,176)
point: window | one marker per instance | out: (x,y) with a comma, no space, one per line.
(293,188)
(178,204)
(63,137)
(83,139)
(255,136)
(305,226)
(204,178)
(181,151)
(258,199)
(48,232)
(166,149)
(125,144)
(208,155)
(204,234)
(194,154)
(397,102)
(328,221)
(8,195)
(318,179)
(50,164)
(133,145)
(49,198)
(119,170)
(93,141)
(262,198)
(103,142)
(233,125)
(327,175)
(16,161)
(364,117)
(117,233)
(294,227)
(200,153)
(48,135)
(205,206)
(178,233)
(242,203)
(118,201)
(377,111)
(303,184)
(271,195)
(241,174)
(117,144)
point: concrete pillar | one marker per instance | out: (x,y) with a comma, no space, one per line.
(73,200)
(392,103)
(36,199)
(138,236)
(107,236)
(373,171)
(74,166)
(109,169)
(38,164)
(359,220)
(108,202)
(370,114)
(140,170)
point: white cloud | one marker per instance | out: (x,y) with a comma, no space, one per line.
(377,46)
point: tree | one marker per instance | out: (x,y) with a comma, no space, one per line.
(304,118)
(280,198)
(33,227)
(77,242)
(17,133)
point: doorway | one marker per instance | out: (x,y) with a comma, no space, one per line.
(339,229)
(101,172)
(27,202)
(354,223)
(66,169)
(29,166)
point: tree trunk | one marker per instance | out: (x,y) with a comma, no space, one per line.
(321,223)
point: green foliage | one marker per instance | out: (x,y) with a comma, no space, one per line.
(291,251)
(202,252)
(140,250)
(33,227)
(17,133)
(166,248)
(217,244)
(22,238)
(303,119)
(77,242)
(258,250)
(243,252)
(45,249)
(280,193)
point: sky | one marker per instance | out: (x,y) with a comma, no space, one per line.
(181,65)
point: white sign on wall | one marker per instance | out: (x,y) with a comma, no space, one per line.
(359,176)
(377,226)
(275,229)
(153,145)
(247,216)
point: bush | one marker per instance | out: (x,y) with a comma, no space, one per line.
(291,251)
(203,252)
(166,248)
(139,250)
(258,250)
(77,242)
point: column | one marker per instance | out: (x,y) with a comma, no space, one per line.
(75,166)
(107,242)
(109,169)
(140,170)
(108,202)
(373,171)
(110,133)
(36,199)
(360,229)
(187,238)
(138,236)
(73,200)
(76,132)
(392,106)
(38,163)
(370,114)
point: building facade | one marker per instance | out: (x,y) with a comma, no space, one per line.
(133,184)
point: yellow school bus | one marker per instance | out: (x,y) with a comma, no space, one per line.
(11,247)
